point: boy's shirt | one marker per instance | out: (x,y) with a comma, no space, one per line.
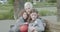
(37,24)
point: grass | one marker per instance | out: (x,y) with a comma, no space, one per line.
(47,13)
(5,8)
(5,11)
(44,4)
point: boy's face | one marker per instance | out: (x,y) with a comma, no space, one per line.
(33,16)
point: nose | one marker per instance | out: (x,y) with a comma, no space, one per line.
(28,8)
(33,16)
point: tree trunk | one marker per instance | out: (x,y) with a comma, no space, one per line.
(16,8)
(18,5)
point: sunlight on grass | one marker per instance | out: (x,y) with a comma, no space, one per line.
(44,4)
(5,11)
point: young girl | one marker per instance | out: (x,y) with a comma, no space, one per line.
(21,21)
(35,24)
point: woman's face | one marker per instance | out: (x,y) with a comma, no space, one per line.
(33,16)
(25,15)
(28,9)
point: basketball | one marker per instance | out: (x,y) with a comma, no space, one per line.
(24,28)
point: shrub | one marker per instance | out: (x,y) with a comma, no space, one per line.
(1,17)
(11,1)
(46,13)
(52,1)
(7,15)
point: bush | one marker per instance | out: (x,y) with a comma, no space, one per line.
(44,4)
(1,17)
(6,10)
(11,1)
(7,15)
(46,13)
(52,1)
(11,14)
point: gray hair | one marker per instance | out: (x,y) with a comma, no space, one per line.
(28,3)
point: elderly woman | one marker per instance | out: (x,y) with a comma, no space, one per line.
(28,7)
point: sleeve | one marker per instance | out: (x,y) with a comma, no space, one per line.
(44,22)
(18,23)
(39,26)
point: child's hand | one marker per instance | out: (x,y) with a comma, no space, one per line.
(31,28)
(26,23)
(34,31)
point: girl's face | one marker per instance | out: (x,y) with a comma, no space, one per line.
(25,15)
(33,16)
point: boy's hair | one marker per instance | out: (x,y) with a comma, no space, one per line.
(34,10)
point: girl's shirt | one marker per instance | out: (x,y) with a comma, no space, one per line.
(19,22)
(37,24)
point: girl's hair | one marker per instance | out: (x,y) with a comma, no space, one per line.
(21,12)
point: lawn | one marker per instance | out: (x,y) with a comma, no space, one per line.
(5,11)
(44,4)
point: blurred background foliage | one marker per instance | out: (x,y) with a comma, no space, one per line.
(52,1)
(47,13)
(11,1)
(7,9)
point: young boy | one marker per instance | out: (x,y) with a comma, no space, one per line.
(35,24)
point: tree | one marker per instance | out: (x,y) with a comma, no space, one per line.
(16,8)
(18,5)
